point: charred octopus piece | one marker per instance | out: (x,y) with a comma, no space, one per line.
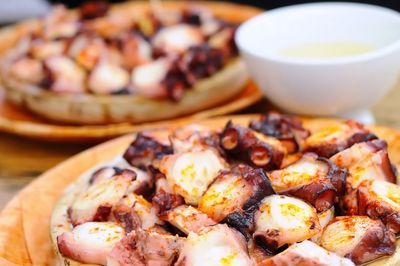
(235,195)
(314,179)
(133,211)
(64,75)
(190,173)
(335,138)
(144,247)
(93,9)
(245,144)
(306,253)
(380,200)
(224,39)
(287,129)
(324,219)
(195,138)
(282,220)
(358,238)
(177,39)
(222,243)
(144,149)
(90,242)
(164,201)
(366,160)
(187,219)
(201,62)
(95,202)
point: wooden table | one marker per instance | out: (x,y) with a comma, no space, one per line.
(21,160)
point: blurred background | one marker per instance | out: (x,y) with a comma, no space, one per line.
(20,9)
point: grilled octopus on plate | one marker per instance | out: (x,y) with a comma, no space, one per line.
(306,253)
(313,179)
(235,192)
(288,130)
(358,238)
(284,220)
(95,203)
(253,148)
(337,137)
(364,161)
(225,246)
(90,242)
(190,173)
(199,196)
(380,200)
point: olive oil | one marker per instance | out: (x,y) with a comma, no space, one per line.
(328,49)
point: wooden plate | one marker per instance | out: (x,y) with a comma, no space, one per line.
(21,122)
(24,223)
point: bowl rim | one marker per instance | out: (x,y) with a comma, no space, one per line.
(377,53)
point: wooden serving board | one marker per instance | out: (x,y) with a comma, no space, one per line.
(24,223)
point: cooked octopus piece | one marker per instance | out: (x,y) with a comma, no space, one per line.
(104,173)
(27,69)
(144,150)
(223,40)
(288,130)
(367,160)
(143,248)
(252,147)
(87,50)
(96,202)
(65,75)
(187,219)
(107,78)
(234,191)
(177,38)
(189,174)
(358,152)
(201,62)
(284,220)
(337,137)
(306,253)
(194,138)
(324,219)
(314,179)
(90,242)
(217,245)
(59,24)
(135,50)
(147,79)
(380,200)
(165,200)
(142,185)
(358,238)
(41,49)
(132,206)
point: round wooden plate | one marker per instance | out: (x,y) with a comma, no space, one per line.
(17,121)
(21,122)
(24,223)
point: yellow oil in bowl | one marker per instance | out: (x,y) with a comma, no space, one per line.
(328,49)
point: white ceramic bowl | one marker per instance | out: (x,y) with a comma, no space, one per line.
(323,86)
